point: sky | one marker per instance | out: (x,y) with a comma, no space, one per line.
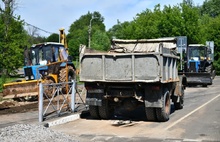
(51,15)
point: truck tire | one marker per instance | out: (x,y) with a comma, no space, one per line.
(151,114)
(105,112)
(94,111)
(164,112)
(63,77)
(180,104)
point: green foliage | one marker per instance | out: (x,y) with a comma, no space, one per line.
(100,41)
(53,38)
(13,41)
(211,7)
(2,81)
(79,32)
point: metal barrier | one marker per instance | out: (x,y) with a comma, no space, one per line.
(55,101)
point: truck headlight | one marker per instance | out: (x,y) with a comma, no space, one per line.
(32,77)
(26,78)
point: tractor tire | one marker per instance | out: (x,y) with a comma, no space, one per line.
(209,68)
(66,75)
(151,114)
(105,112)
(49,89)
(94,112)
(164,112)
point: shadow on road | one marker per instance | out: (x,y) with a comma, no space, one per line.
(122,114)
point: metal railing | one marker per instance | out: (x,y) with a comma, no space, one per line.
(56,102)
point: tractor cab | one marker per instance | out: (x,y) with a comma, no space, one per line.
(40,55)
(198,57)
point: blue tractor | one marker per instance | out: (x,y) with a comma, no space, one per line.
(46,62)
(198,67)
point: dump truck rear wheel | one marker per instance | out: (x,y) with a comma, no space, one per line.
(94,111)
(164,112)
(151,114)
(63,77)
(105,112)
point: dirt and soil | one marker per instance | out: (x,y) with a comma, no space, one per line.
(11,106)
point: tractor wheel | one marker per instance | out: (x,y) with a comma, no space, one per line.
(66,75)
(105,112)
(164,112)
(209,68)
(49,89)
(94,111)
(151,114)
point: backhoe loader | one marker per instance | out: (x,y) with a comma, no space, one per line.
(45,62)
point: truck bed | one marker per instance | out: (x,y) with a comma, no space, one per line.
(128,67)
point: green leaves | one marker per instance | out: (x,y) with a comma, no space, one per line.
(91,23)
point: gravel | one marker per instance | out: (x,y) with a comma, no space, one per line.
(32,133)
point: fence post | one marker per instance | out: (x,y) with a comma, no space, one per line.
(40,102)
(73,96)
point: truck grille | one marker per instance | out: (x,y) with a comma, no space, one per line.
(28,72)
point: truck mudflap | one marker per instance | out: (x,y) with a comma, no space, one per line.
(198,78)
(20,89)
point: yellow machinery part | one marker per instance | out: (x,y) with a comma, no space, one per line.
(20,89)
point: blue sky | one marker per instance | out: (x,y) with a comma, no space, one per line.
(51,15)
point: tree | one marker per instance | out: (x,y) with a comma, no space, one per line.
(171,22)
(121,31)
(100,41)
(78,32)
(53,38)
(192,28)
(211,7)
(13,39)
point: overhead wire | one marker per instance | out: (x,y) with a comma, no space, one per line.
(28,24)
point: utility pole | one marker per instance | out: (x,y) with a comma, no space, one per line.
(90,29)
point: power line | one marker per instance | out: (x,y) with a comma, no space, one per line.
(28,24)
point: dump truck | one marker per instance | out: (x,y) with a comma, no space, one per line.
(133,73)
(48,63)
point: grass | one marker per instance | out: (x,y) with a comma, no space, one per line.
(4,80)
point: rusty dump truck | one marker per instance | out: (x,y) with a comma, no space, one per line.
(133,73)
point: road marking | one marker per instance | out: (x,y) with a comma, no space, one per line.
(179,120)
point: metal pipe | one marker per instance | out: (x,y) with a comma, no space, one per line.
(40,104)
(73,96)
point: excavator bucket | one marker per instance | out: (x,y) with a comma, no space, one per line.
(20,89)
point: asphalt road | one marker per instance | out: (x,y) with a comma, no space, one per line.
(199,120)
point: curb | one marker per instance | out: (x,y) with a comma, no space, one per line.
(67,119)
(62,120)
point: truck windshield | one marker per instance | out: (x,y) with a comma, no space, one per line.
(196,52)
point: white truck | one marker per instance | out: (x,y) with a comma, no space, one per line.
(133,73)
